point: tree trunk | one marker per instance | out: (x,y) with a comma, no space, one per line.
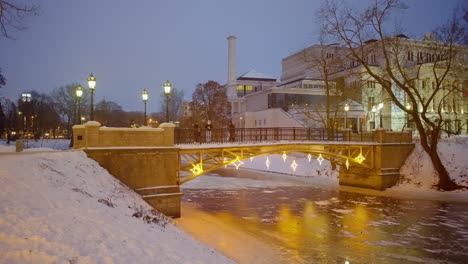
(444,183)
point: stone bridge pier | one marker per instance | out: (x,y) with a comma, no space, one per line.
(390,151)
(144,159)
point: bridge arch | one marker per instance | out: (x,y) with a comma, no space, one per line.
(198,161)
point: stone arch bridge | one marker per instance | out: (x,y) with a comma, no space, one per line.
(148,161)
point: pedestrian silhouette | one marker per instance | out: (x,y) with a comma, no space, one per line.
(232,132)
(196,132)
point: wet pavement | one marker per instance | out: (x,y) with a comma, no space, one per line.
(313,225)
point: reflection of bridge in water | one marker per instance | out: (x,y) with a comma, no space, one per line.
(155,161)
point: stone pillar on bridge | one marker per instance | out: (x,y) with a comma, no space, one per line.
(389,154)
(145,160)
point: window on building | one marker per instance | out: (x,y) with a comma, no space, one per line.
(371,84)
(244,89)
(448,125)
(410,56)
(457,126)
(373,60)
(419,57)
(329,55)
(370,103)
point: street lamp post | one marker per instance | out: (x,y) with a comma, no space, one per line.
(79,93)
(144,96)
(346,109)
(91,85)
(408,107)
(380,107)
(26,98)
(167,91)
(373,113)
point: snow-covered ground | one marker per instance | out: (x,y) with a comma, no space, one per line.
(62,207)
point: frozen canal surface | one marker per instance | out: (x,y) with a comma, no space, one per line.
(312,225)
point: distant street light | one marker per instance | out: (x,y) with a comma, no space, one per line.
(167,91)
(144,96)
(380,107)
(79,94)
(346,109)
(26,98)
(91,85)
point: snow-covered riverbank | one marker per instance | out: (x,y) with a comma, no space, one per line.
(62,207)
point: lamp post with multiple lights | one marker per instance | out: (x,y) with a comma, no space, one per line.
(144,96)
(167,92)
(25,98)
(91,85)
(79,94)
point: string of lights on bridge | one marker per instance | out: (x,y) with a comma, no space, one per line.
(237,162)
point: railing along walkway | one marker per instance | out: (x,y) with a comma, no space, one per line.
(249,135)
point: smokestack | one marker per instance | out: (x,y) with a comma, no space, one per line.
(231,60)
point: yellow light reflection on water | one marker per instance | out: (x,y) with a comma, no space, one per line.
(356,230)
(315,224)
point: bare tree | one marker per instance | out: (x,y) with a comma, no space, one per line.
(41,113)
(110,114)
(176,98)
(65,101)
(420,83)
(327,63)
(209,101)
(2,79)
(12,16)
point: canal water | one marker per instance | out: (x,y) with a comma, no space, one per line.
(308,224)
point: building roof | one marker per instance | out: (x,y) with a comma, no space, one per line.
(254,75)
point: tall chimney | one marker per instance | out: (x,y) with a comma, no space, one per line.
(231,60)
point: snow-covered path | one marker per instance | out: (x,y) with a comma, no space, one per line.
(62,207)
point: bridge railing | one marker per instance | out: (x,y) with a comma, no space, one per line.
(246,135)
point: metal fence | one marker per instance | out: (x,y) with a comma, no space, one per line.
(59,144)
(187,136)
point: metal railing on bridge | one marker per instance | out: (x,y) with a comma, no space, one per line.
(246,135)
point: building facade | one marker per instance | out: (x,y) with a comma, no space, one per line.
(323,86)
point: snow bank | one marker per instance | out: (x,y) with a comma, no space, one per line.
(62,207)
(418,172)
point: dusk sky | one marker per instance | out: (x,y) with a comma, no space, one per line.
(134,45)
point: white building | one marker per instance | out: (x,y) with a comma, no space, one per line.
(300,99)
(258,100)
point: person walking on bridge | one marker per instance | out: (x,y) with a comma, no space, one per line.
(232,132)
(196,132)
(208,128)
